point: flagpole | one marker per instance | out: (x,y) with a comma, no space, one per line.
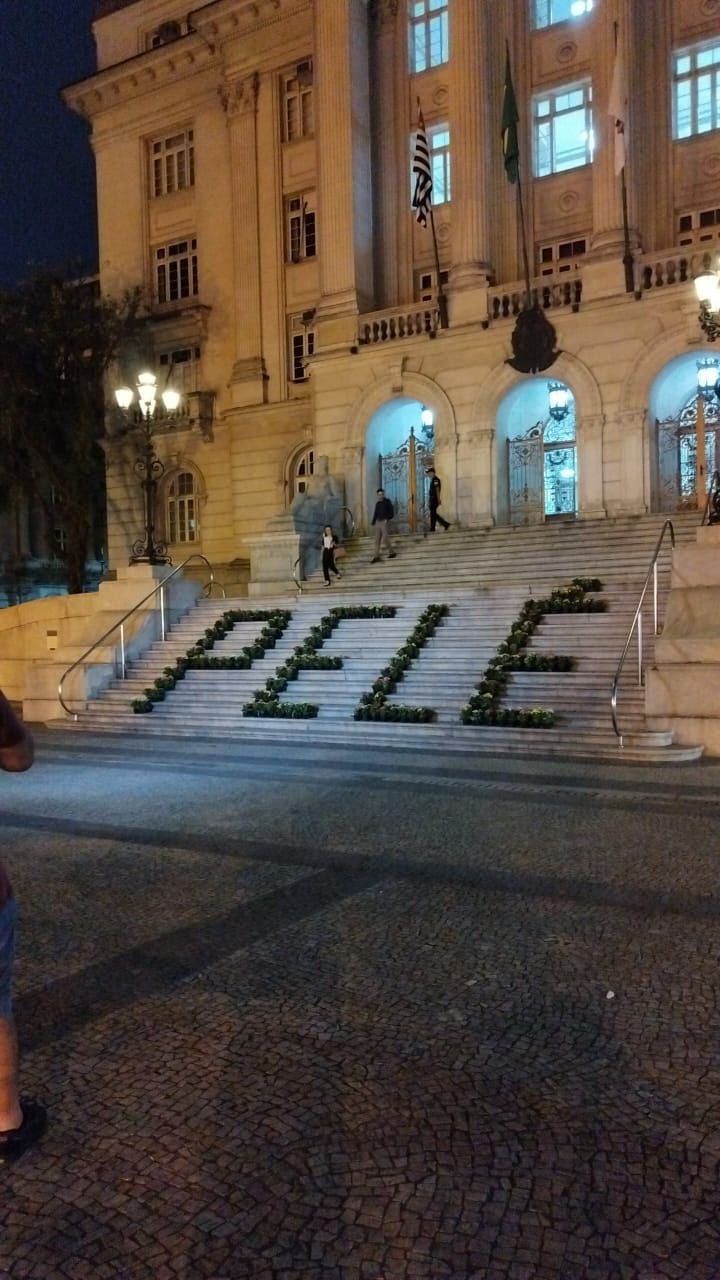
(523,236)
(628,262)
(533,338)
(422,203)
(441,299)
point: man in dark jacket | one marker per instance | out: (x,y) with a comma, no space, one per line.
(21,1123)
(434,501)
(382,515)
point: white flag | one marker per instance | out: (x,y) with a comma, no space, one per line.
(422,197)
(617,106)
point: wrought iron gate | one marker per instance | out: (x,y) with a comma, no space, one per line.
(677,455)
(525,473)
(542,472)
(402,476)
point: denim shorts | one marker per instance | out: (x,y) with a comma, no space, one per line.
(7,955)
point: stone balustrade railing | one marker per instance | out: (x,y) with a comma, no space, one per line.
(508,300)
(675,266)
(651,271)
(386,326)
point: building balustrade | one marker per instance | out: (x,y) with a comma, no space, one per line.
(385,326)
(508,301)
(678,266)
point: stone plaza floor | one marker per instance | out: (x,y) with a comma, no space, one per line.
(330,1015)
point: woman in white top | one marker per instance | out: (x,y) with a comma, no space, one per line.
(329,542)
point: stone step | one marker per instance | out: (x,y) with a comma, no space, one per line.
(492,740)
(486,578)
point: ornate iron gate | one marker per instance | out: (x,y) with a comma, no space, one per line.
(525,475)
(677,455)
(402,476)
(542,472)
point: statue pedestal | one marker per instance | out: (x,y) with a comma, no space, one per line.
(683,687)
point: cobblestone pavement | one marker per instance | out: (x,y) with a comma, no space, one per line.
(321,1015)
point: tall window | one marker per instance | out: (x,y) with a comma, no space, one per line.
(545,13)
(302,346)
(181,510)
(438,137)
(297,92)
(428,33)
(173,163)
(696,90)
(300,227)
(176,271)
(562,129)
(180,368)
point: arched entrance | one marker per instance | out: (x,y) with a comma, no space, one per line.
(675,404)
(400,448)
(539,467)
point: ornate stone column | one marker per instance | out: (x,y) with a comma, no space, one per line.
(247,380)
(589,447)
(607,245)
(625,442)
(476,493)
(470,133)
(388,106)
(345,215)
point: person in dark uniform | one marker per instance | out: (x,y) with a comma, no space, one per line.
(434,500)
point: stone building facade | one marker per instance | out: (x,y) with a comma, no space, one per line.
(254,174)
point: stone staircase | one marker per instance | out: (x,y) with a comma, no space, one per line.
(484,578)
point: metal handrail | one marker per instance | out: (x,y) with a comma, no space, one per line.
(714,488)
(637,622)
(297,566)
(159,587)
(351,522)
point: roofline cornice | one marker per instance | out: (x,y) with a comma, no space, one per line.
(195,51)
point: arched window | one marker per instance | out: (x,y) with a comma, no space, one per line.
(301,467)
(181,511)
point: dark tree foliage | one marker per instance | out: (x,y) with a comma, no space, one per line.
(58,338)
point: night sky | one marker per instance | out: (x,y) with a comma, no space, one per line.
(47,181)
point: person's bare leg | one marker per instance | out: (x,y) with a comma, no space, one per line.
(11,1115)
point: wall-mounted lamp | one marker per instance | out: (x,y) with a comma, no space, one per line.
(427,417)
(558,397)
(707,288)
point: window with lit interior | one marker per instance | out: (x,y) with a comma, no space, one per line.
(428,33)
(562,129)
(696,90)
(545,13)
(438,137)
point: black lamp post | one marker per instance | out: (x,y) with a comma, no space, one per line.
(149,468)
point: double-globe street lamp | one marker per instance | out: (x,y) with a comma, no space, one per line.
(148,466)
